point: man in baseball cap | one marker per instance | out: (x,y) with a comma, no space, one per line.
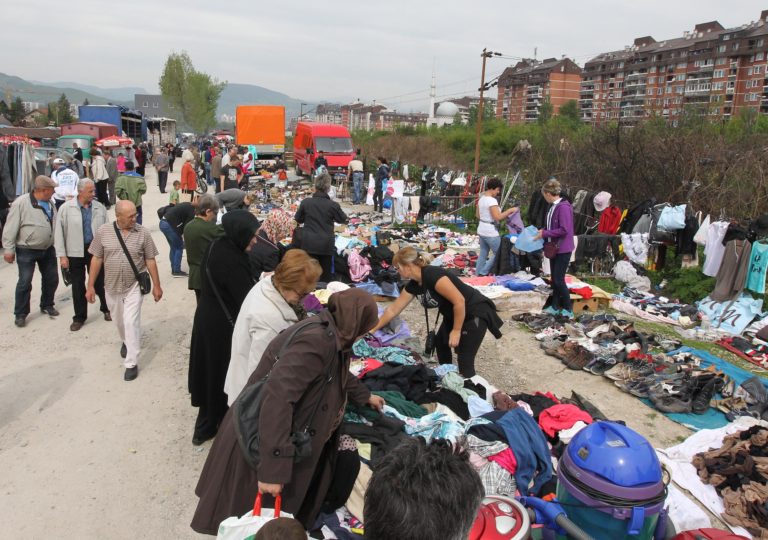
(28,240)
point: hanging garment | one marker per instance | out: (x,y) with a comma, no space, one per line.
(732,317)
(685,244)
(758,265)
(701,233)
(732,275)
(635,247)
(609,220)
(714,250)
(634,214)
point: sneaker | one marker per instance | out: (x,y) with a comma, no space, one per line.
(180,274)
(601,365)
(671,404)
(551,311)
(50,311)
(566,313)
(548,333)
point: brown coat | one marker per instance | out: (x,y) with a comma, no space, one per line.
(732,275)
(296,386)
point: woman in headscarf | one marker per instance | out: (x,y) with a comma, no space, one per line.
(296,388)
(273,305)
(226,280)
(267,253)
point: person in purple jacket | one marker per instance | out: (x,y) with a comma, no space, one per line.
(559,231)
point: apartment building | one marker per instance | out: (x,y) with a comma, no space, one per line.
(466,103)
(524,87)
(713,69)
(378,117)
(328,113)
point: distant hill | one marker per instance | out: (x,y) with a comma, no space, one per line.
(124,94)
(235,94)
(12,86)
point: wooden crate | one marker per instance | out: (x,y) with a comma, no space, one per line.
(592,304)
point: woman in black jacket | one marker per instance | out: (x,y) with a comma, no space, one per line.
(318,213)
(267,252)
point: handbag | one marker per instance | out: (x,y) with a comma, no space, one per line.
(246,410)
(429,342)
(550,249)
(672,218)
(145,282)
(240,528)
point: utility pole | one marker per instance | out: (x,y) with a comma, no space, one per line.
(485,55)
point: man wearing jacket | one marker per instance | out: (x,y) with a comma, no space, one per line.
(112,172)
(76,223)
(66,182)
(130,186)
(28,240)
(100,176)
(198,234)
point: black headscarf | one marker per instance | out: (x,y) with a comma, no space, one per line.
(354,311)
(239,227)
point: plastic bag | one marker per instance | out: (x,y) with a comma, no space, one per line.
(672,218)
(525,241)
(241,528)
(701,235)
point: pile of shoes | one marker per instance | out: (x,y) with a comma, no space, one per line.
(750,398)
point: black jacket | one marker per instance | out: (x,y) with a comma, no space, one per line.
(318,214)
(264,255)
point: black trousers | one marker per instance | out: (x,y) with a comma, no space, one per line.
(209,418)
(326,263)
(77,269)
(162,179)
(378,200)
(101,192)
(561,297)
(472,333)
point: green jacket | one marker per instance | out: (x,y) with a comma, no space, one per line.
(130,187)
(198,234)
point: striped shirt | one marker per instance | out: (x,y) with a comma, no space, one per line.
(118,274)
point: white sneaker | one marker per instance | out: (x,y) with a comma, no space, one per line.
(549,333)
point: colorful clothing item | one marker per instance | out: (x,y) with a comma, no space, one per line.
(432,426)
(758,267)
(278,225)
(385,354)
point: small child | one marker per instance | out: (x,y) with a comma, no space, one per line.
(282,529)
(175,194)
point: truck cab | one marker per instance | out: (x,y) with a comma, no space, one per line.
(333,140)
(84,142)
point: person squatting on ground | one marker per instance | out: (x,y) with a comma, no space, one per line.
(318,214)
(226,281)
(422,491)
(28,240)
(297,390)
(124,297)
(559,234)
(487,229)
(76,224)
(172,226)
(466,313)
(272,305)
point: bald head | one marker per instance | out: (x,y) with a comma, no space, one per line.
(125,214)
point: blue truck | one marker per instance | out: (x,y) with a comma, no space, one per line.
(129,122)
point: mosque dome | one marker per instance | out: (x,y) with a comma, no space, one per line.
(447,109)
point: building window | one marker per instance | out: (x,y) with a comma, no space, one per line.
(749,71)
(718,86)
(155,105)
(759,69)
(146,104)
(735,47)
(651,80)
(659,91)
(721,61)
(760,43)
(682,65)
(718,73)
(652,70)
(721,48)
(680,77)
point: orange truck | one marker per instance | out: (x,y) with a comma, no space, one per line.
(262,126)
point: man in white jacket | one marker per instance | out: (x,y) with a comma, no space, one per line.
(66,182)
(76,225)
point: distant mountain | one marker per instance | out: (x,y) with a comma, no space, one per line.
(235,94)
(117,94)
(12,86)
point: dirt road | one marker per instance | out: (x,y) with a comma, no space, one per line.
(84,454)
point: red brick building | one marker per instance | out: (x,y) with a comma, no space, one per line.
(523,88)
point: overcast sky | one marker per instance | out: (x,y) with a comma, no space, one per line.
(334,49)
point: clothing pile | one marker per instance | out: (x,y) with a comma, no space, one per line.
(650,307)
(738,470)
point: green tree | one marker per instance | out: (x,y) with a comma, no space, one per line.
(193,93)
(62,106)
(16,111)
(488,113)
(546,111)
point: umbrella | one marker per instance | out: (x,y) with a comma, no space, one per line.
(8,139)
(114,140)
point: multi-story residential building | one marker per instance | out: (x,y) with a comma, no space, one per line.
(524,87)
(328,113)
(152,105)
(377,117)
(466,103)
(715,70)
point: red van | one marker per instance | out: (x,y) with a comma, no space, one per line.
(332,139)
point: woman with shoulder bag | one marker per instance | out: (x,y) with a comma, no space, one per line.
(558,246)
(466,313)
(307,386)
(490,215)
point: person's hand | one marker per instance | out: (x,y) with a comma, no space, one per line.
(64,262)
(9,257)
(157,293)
(90,295)
(539,235)
(453,338)
(376,402)
(271,489)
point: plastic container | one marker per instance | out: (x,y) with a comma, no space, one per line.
(610,484)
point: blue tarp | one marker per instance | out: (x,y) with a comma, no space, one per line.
(713,418)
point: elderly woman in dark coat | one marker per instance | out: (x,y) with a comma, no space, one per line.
(225,270)
(295,388)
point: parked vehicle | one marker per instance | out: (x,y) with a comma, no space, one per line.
(84,142)
(332,139)
(262,126)
(41,158)
(128,122)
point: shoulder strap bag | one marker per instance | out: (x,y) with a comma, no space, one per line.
(145,282)
(429,342)
(215,290)
(246,409)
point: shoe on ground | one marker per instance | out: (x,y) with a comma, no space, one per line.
(20,321)
(566,313)
(51,311)
(107,316)
(131,373)
(75,326)
(671,404)
(551,311)
(179,274)
(197,440)
(123,351)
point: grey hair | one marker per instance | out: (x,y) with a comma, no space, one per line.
(207,202)
(83,183)
(323,182)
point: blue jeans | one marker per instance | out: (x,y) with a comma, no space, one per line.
(484,263)
(357,186)
(176,243)
(207,167)
(46,261)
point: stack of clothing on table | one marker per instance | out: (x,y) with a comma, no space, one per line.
(738,470)
(654,308)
